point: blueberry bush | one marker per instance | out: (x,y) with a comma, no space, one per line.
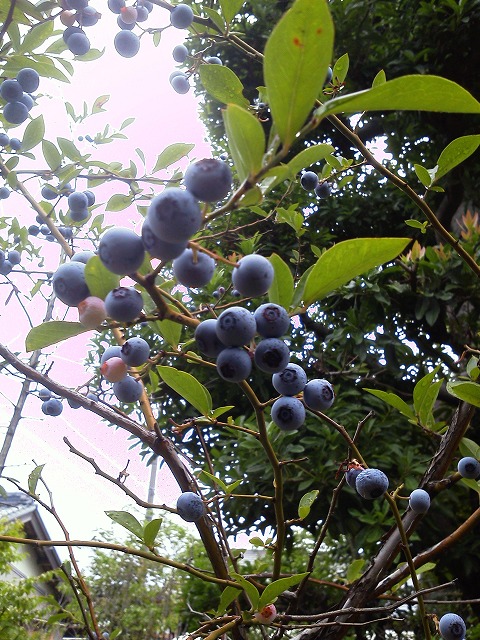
(290,325)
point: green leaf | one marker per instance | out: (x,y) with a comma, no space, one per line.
(127,521)
(306,502)
(297,56)
(379,79)
(416,224)
(281,290)
(340,68)
(214,480)
(99,279)
(222,84)
(228,596)
(394,401)
(188,387)
(346,260)
(425,395)
(428,566)
(69,149)
(34,134)
(118,202)
(274,589)
(216,18)
(309,156)
(220,411)
(170,331)
(51,154)
(469,448)
(466,391)
(34,477)
(355,570)
(150,531)
(52,332)
(454,153)
(250,589)
(173,153)
(423,175)
(230,8)
(246,140)
(408,93)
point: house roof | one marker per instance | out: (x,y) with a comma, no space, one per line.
(19,506)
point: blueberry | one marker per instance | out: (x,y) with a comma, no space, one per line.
(33,230)
(77,201)
(271,355)
(69,283)
(351,477)
(4,140)
(79,216)
(27,100)
(209,180)
(78,44)
(142,13)
(124,304)
(467,467)
(174,215)
(44,394)
(93,397)
(371,483)
(15,112)
(11,90)
(452,627)
(114,369)
(69,31)
(6,267)
(213,60)
(45,230)
(234,364)
(73,403)
(48,193)
(115,6)
(127,43)
(236,326)
(128,390)
(180,83)
(88,16)
(318,395)
(323,190)
(207,340)
(190,506)
(129,15)
(193,268)
(114,351)
(288,413)
(253,276)
(15,144)
(67,232)
(82,256)
(4,193)
(158,248)
(181,16)
(272,320)
(14,256)
(123,25)
(135,351)
(90,197)
(78,4)
(180,53)
(29,79)
(309,180)
(290,381)
(121,251)
(419,501)
(52,407)
(329,76)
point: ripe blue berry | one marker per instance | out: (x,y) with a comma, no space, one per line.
(121,251)
(193,269)
(309,180)
(272,320)
(209,180)
(452,627)
(207,340)
(11,90)
(213,60)
(128,389)
(88,16)
(33,230)
(15,112)
(73,403)
(14,256)
(180,53)
(234,364)
(419,501)
(180,83)
(290,381)
(82,256)
(253,276)
(4,140)
(288,413)
(158,248)
(318,395)
(4,193)
(5,267)
(174,215)
(15,144)
(48,193)
(135,351)
(115,6)
(90,197)
(69,283)
(468,467)
(181,16)
(77,201)
(236,326)
(271,355)
(127,43)
(114,351)
(371,483)
(78,43)
(52,407)
(124,304)
(44,394)
(190,506)
(323,190)
(28,79)
(351,477)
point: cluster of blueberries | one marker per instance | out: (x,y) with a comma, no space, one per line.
(53,406)
(311,182)
(16,94)
(9,260)
(6,142)
(115,363)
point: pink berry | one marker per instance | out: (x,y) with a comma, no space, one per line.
(91,312)
(267,614)
(114,369)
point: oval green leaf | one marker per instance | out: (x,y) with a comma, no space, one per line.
(52,332)
(51,154)
(171,154)
(246,140)
(306,502)
(466,391)
(188,387)
(454,153)
(222,84)
(273,590)
(281,291)
(309,156)
(34,134)
(126,520)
